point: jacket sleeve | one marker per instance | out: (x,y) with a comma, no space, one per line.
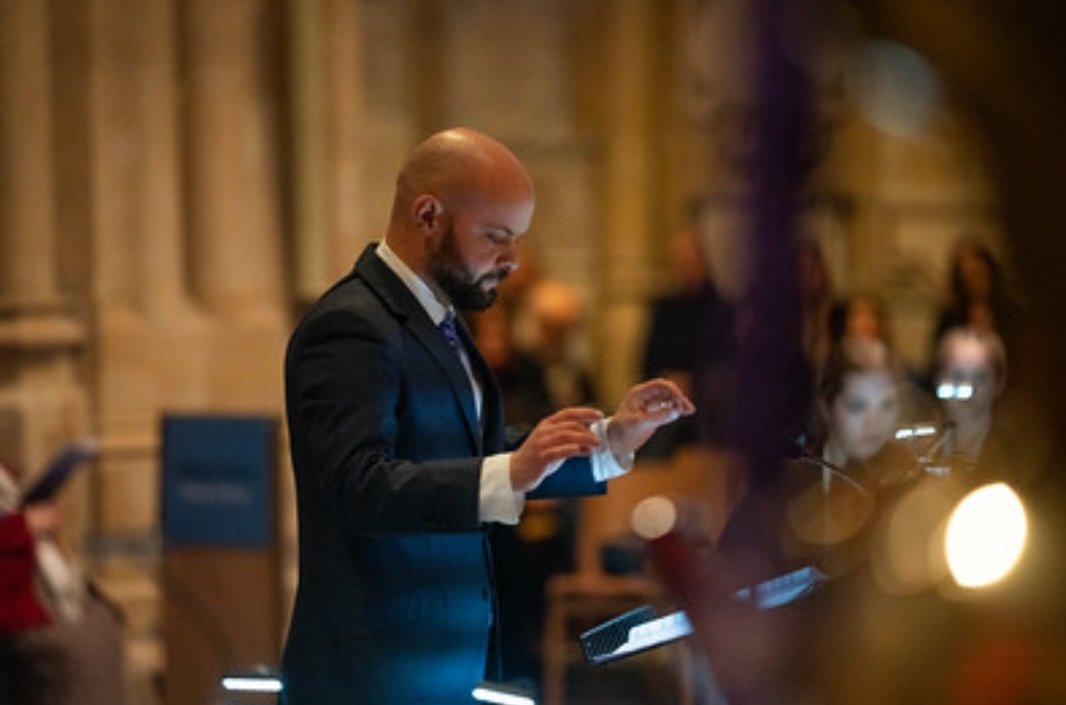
(20,609)
(573,479)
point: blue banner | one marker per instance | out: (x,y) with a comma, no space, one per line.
(218,481)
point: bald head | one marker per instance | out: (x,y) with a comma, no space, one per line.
(456,165)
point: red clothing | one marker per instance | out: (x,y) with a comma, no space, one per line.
(20,609)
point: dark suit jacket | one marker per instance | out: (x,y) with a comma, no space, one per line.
(395,601)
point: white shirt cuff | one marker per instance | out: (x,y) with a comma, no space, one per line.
(497,500)
(605,464)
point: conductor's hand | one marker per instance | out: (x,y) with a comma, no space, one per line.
(562,435)
(645,407)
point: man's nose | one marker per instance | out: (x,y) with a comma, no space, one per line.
(508,258)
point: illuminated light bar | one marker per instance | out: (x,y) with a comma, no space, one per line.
(502,695)
(252,684)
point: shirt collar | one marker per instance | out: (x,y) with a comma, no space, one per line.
(429,301)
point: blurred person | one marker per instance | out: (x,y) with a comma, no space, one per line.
(977,293)
(968,652)
(690,340)
(538,369)
(60,639)
(820,508)
(856,459)
(817,297)
(998,652)
(556,314)
(684,311)
(862,398)
(525,394)
(864,315)
(971,373)
(861,315)
(824,501)
(825,511)
(397,440)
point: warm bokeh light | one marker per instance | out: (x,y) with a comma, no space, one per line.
(654,517)
(986,535)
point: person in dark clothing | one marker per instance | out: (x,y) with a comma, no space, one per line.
(690,341)
(397,439)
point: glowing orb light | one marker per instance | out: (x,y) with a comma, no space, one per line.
(986,535)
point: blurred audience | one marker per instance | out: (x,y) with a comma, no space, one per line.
(825,499)
(60,640)
(823,512)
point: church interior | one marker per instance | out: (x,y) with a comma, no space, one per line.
(181,179)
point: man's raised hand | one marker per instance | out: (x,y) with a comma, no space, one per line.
(645,407)
(564,434)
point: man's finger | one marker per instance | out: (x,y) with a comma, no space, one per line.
(666,405)
(563,451)
(580,414)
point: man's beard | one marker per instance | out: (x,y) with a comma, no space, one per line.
(465,292)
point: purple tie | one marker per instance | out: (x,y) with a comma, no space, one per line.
(447,327)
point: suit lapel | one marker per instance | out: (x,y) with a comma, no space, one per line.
(433,340)
(491,398)
(396,297)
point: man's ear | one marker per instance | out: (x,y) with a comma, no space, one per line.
(427,210)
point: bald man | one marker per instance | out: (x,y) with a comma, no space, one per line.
(397,442)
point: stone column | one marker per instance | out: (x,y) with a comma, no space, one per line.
(42,405)
(629,184)
(27,239)
(136,177)
(235,196)
(145,336)
(232,130)
(142,312)
(327,189)
(324,71)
